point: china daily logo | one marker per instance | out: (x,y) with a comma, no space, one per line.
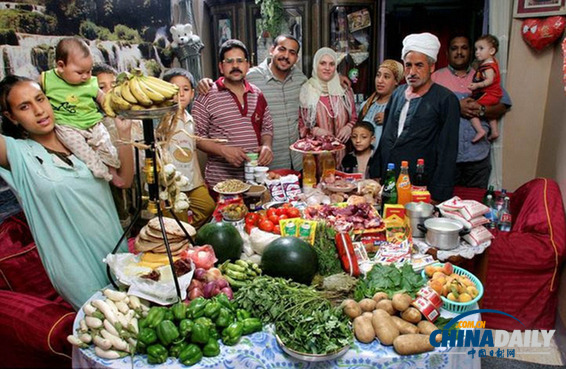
(488,340)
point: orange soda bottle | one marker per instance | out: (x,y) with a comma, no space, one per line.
(404,184)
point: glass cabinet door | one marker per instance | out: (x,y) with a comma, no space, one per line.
(352,33)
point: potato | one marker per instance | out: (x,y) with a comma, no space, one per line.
(363,329)
(367,305)
(403,326)
(380,296)
(385,330)
(401,301)
(386,305)
(412,315)
(352,309)
(426,327)
(412,344)
(367,314)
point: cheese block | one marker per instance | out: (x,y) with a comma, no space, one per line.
(153,260)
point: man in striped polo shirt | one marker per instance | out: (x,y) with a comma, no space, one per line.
(234,110)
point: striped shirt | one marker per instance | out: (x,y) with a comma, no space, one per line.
(283,100)
(218,114)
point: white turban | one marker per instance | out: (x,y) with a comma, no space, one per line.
(425,43)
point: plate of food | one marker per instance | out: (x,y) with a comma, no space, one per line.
(340,186)
(231,187)
(234,212)
(317,145)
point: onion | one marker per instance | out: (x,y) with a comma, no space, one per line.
(195,283)
(212,274)
(200,273)
(196,292)
(221,283)
(208,288)
(228,292)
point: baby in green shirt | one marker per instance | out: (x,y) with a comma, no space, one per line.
(75,97)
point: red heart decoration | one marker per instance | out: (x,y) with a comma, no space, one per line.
(541,32)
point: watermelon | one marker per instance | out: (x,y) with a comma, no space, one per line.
(290,257)
(224,239)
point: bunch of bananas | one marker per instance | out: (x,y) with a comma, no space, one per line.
(239,273)
(138,92)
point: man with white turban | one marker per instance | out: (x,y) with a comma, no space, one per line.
(421,121)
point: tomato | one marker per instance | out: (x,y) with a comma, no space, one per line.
(248,228)
(252,219)
(283,216)
(287,205)
(280,211)
(277,229)
(293,213)
(274,218)
(271,211)
(266,225)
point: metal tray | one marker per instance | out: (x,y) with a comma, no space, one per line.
(311,357)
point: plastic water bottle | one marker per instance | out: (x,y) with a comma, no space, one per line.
(504,223)
(492,213)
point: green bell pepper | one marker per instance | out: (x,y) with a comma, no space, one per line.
(168,315)
(231,334)
(190,355)
(155,315)
(141,348)
(176,348)
(223,300)
(211,348)
(206,322)
(212,310)
(251,325)
(196,308)
(186,327)
(242,314)
(142,323)
(225,317)
(214,334)
(147,336)
(156,354)
(167,332)
(179,311)
(200,334)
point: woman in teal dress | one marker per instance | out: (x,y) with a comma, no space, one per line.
(71,214)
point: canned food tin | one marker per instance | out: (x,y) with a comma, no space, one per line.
(305,231)
(426,308)
(431,295)
(291,229)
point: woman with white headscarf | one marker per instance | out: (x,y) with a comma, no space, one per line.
(326,108)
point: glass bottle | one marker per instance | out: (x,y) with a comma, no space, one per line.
(504,223)
(500,199)
(389,193)
(309,171)
(492,213)
(404,184)
(419,182)
(489,191)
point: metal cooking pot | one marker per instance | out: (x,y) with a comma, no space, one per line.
(443,233)
(418,212)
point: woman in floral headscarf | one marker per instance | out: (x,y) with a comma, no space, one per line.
(388,77)
(326,108)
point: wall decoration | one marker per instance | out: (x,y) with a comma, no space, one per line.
(224,30)
(539,33)
(539,8)
(359,20)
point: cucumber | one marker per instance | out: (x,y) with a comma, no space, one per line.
(236,268)
(236,275)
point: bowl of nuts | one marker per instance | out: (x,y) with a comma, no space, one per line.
(234,212)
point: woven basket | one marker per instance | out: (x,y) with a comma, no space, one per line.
(460,307)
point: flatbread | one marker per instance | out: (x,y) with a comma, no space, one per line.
(174,246)
(143,245)
(144,235)
(171,227)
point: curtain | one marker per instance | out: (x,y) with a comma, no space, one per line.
(499,14)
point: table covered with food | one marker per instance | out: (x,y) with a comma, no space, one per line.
(289,273)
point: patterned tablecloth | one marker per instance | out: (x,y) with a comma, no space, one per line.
(260,350)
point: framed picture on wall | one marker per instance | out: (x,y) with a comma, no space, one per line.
(539,8)
(224,30)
